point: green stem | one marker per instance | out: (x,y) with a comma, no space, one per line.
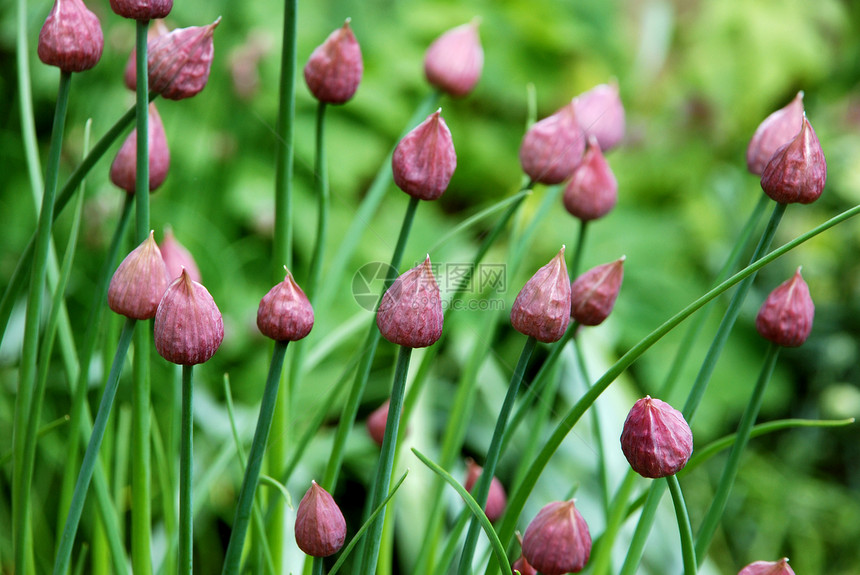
(386,457)
(24,397)
(482,487)
(724,487)
(141,187)
(602,552)
(285,129)
(576,257)
(684,529)
(186,474)
(317,566)
(321,185)
(602,471)
(233,558)
(64,552)
(350,409)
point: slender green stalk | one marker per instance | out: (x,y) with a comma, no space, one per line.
(684,529)
(576,256)
(186,475)
(602,471)
(482,487)
(232,560)
(449,552)
(317,568)
(21,516)
(64,552)
(350,409)
(602,552)
(321,185)
(42,432)
(718,503)
(386,457)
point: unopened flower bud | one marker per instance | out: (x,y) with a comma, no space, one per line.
(156,28)
(320,526)
(593,294)
(410,313)
(656,439)
(553,147)
(176,257)
(454,61)
(123,170)
(285,314)
(523,567)
(780,567)
(600,113)
(557,540)
(139,282)
(785,317)
(334,69)
(542,308)
(179,62)
(592,190)
(188,325)
(496,497)
(774,131)
(797,171)
(377,421)
(142,9)
(71,37)
(424,160)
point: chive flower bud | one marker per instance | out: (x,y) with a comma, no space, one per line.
(593,294)
(142,9)
(797,171)
(123,170)
(496,497)
(179,62)
(656,439)
(177,257)
(785,317)
(334,69)
(410,313)
(774,131)
(156,28)
(188,325)
(320,526)
(424,160)
(557,540)
(377,421)
(600,113)
(592,191)
(285,314)
(768,568)
(71,37)
(523,567)
(454,61)
(542,308)
(139,282)
(552,148)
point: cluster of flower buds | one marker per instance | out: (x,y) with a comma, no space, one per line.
(780,567)
(285,314)
(123,170)
(656,439)
(320,525)
(424,160)
(542,308)
(785,317)
(496,497)
(593,294)
(334,68)
(71,38)
(557,541)
(410,312)
(454,61)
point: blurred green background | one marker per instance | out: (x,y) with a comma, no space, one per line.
(696,78)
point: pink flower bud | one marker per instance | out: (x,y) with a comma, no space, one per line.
(777,129)
(320,526)
(139,282)
(177,258)
(600,113)
(142,9)
(123,170)
(188,325)
(454,61)
(523,567)
(553,147)
(334,69)
(496,498)
(592,190)
(71,38)
(557,540)
(656,439)
(593,294)
(377,421)
(797,171)
(768,568)
(424,160)
(179,62)
(785,317)
(410,313)
(542,308)
(156,28)
(285,314)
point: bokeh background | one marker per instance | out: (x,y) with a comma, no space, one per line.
(696,78)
